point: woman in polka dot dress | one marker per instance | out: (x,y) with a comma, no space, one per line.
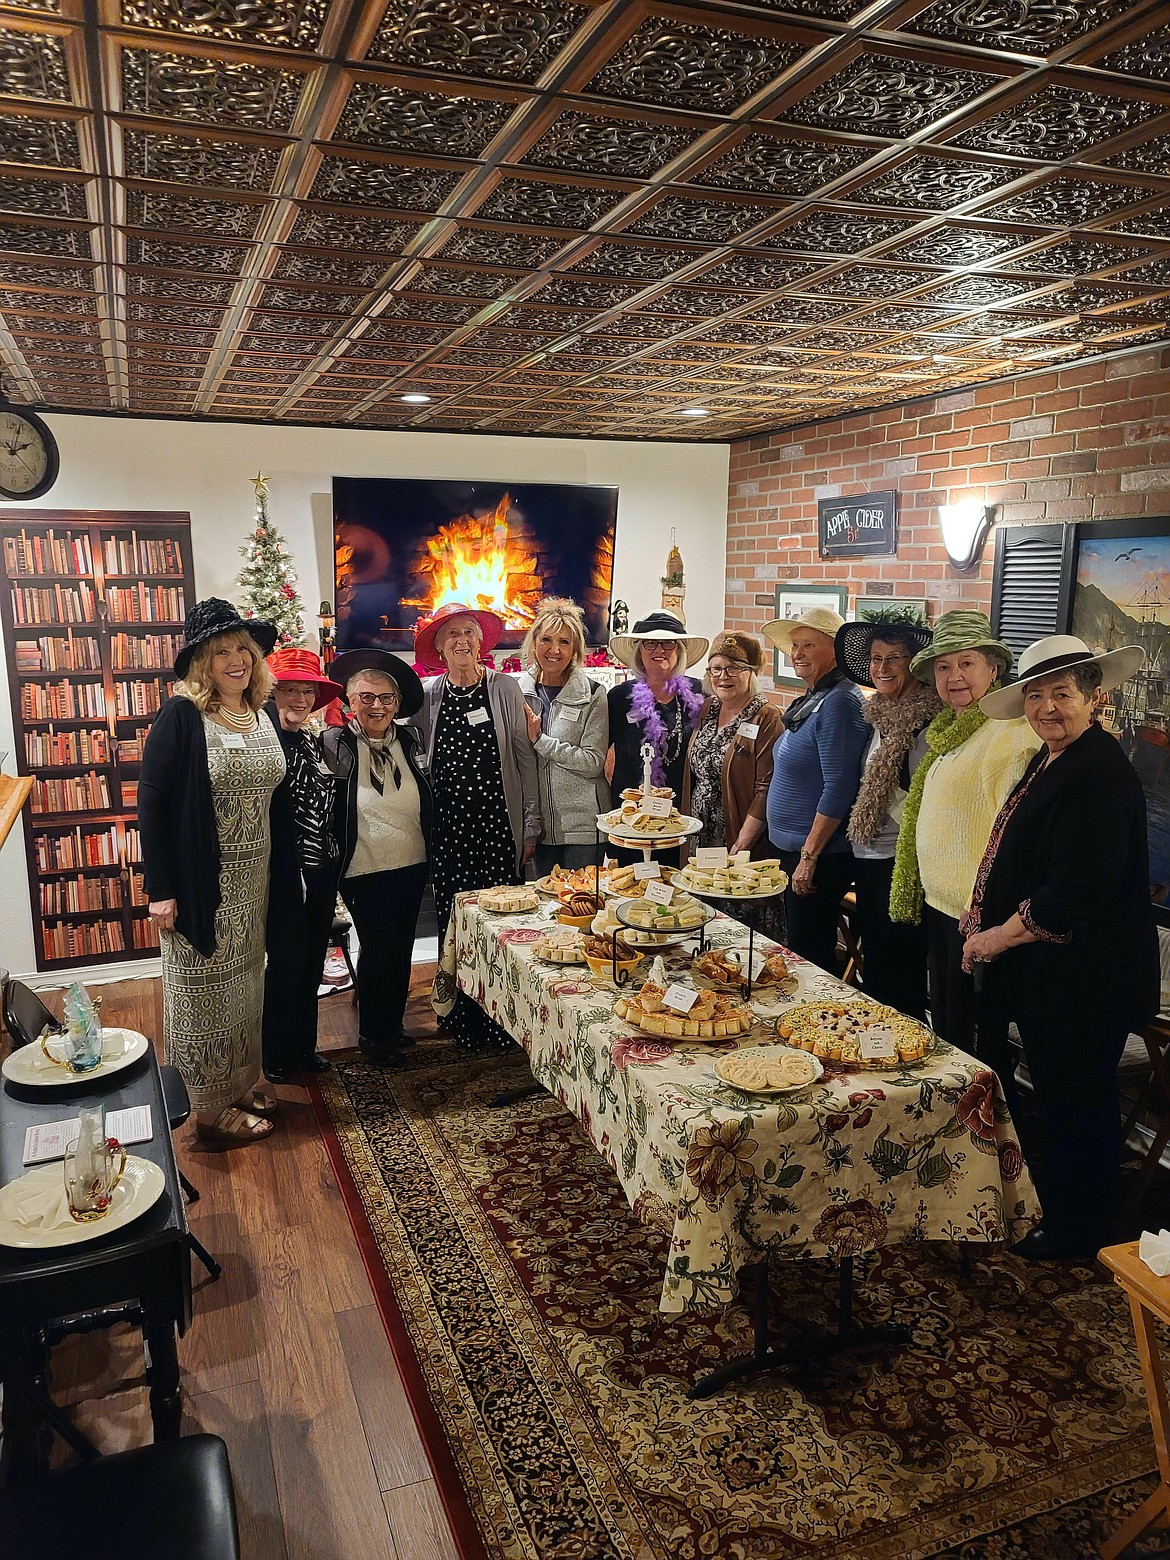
(484,779)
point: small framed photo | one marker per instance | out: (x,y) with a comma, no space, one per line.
(793,601)
(908,604)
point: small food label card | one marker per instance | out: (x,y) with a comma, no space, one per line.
(758,961)
(711,856)
(681,998)
(644,870)
(657,806)
(878,1043)
(659,893)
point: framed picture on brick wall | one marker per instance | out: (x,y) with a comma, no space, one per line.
(912,606)
(792,601)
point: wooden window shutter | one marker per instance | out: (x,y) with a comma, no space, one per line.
(1031,593)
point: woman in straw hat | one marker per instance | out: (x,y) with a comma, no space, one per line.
(817,767)
(659,705)
(877,654)
(302,893)
(210,766)
(966,776)
(1061,917)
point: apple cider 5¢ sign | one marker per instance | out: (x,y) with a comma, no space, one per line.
(859,527)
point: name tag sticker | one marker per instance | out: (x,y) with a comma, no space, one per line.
(646,869)
(631,720)
(476,717)
(232,739)
(751,730)
(681,998)
(711,856)
(877,1043)
(572,716)
(658,893)
(657,806)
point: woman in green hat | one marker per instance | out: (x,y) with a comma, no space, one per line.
(969,771)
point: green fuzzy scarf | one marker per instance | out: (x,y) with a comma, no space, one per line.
(946,732)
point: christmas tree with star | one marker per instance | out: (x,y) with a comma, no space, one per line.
(268,580)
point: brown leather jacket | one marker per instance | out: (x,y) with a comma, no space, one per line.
(747,773)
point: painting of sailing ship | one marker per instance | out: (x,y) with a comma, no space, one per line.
(1122,597)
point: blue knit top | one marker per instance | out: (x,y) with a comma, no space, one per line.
(817,769)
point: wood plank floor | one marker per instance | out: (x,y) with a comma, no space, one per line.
(287,1358)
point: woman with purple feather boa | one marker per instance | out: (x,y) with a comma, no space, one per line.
(659,705)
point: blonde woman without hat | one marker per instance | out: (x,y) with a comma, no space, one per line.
(568,724)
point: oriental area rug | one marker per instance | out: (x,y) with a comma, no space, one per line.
(521,1297)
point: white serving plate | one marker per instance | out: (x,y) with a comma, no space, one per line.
(768,1051)
(139,1189)
(29,1066)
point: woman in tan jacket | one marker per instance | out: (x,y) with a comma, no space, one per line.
(729,760)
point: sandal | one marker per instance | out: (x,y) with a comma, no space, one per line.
(259,1103)
(233,1127)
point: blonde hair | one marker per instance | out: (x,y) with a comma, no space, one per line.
(555,612)
(199,687)
(680,664)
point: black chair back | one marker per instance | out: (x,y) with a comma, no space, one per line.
(25,1015)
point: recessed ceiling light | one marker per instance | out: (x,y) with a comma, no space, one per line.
(416,400)
(694,411)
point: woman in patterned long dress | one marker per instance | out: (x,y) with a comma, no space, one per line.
(209,770)
(483,777)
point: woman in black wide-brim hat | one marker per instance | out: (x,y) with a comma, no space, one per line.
(210,767)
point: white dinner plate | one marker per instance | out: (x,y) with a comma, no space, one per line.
(138,1190)
(608,824)
(28,1065)
(768,1050)
(667,931)
(720,893)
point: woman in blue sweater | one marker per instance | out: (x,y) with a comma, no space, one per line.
(816,773)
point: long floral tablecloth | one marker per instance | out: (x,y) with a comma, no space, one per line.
(855,1161)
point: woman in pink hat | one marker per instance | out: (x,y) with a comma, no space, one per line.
(483,774)
(303,881)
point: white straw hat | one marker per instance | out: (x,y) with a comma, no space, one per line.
(659,625)
(1057,653)
(779,631)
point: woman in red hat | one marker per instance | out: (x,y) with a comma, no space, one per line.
(303,892)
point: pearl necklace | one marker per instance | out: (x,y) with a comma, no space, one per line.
(245,722)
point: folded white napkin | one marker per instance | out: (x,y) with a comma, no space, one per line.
(37,1201)
(1154,1250)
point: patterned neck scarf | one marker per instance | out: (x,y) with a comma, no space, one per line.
(381,759)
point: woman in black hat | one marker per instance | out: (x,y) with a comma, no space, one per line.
(383,824)
(210,767)
(877,654)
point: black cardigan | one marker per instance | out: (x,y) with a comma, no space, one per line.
(626,738)
(339,746)
(176,819)
(1074,855)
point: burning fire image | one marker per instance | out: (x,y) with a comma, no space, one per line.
(481,561)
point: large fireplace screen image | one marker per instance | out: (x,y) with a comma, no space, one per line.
(404,548)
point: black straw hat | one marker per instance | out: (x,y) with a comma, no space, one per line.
(207,619)
(854,641)
(400,672)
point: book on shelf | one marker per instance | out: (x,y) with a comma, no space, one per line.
(130,795)
(53,604)
(54,749)
(68,652)
(145,652)
(145,932)
(144,603)
(133,845)
(76,793)
(63,701)
(76,847)
(134,554)
(76,896)
(51,553)
(140,697)
(129,749)
(79,939)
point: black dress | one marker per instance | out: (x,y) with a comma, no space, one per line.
(1068,853)
(472,844)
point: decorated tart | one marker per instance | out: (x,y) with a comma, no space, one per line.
(711,1017)
(860,1034)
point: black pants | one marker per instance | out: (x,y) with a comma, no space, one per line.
(384,906)
(298,939)
(893,955)
(952,994)
(1072,1060)
(812,918)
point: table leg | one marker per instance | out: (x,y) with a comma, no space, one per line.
(820,1345)
(1155,1511)
(162,1369)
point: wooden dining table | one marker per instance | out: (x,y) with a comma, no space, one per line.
(143,1268)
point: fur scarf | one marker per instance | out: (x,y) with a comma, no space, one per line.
(898,721)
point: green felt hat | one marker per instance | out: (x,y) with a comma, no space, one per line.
(959,630)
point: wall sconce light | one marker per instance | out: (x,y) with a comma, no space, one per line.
(325,632)
(964,528)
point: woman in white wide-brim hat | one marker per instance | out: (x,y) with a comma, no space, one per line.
(815,774)
(659,704)
(1061,917)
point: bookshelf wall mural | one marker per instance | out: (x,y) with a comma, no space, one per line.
(92,609)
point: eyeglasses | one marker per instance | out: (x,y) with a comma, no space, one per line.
(729,671)
(888,660)
(386,700)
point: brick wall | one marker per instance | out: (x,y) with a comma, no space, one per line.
(1087,442)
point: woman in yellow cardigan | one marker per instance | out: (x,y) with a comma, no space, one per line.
(970,769)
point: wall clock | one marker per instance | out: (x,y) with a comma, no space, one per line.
(29,459)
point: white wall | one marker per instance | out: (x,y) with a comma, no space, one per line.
(203,469)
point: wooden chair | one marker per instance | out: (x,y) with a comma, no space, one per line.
(1153,1103)
(854,953)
